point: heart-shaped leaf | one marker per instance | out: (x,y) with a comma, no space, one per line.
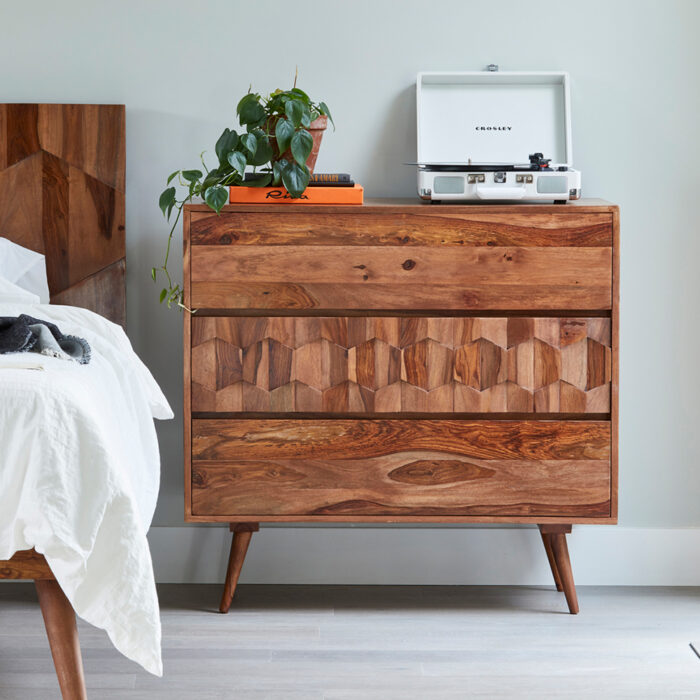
(238,162)
(284,132)
(250,142)
(295,178)
(306,117)
(172,175)
(301,95)
(216,197)
(263,152)
(226,143)
(302,144)
(294,109)
(250,111)
(167,200)
(191,175)
(246,99)
(277,168)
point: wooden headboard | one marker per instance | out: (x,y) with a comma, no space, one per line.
(62,194)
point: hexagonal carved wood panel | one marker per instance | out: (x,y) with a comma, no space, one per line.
(401,365)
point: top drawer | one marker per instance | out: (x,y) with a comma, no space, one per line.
(420,259)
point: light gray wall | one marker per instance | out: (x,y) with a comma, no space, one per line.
(635,66)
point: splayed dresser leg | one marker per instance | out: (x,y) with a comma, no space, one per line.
(560,562)
(242,532)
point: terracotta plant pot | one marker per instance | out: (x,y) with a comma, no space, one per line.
(316,129)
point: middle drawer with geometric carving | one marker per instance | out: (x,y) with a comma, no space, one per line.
(401,364)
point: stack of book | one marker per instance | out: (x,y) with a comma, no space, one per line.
(324,188)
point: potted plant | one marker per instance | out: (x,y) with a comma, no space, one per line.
(279,139)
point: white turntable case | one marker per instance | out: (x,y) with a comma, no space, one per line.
(483,118)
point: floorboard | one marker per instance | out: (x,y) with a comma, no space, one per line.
(380,643)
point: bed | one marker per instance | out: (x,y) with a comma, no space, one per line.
(79,469)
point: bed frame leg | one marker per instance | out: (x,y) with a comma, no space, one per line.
(62,631)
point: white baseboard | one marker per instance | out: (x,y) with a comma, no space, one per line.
(601,555)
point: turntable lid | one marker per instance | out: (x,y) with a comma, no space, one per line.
(489,117)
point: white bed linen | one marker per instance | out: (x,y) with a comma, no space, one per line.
(80,471)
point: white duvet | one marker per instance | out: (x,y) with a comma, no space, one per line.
(79,474)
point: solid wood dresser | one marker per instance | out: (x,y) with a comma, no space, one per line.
(402,362)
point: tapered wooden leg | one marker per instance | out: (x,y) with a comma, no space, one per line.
(242,532)
(59,619)
(546,541)
(557,537)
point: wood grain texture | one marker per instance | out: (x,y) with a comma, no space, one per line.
(407,483)
(62,631)
(240,540)
(62,194)
(225,439)
(396,364)
(378,258)
(27,564)
(615,379)
(379,468)
(424,226)
(387,277)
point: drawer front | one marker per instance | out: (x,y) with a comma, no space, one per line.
(406,227)
(401,365)
(400,468)
(393,277)
(426,258)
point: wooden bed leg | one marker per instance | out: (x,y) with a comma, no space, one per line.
(557,537)
(242,532)
(62,631)
(546,541)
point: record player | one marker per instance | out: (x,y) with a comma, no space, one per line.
(491,135)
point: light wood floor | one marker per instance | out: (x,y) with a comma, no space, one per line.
(388,643)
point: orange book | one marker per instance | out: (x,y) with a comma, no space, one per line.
(312,195)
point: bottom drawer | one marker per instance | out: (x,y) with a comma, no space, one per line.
(400,469)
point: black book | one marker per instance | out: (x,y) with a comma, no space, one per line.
(331,179)
(316,180)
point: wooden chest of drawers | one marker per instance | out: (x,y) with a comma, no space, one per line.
(402,362)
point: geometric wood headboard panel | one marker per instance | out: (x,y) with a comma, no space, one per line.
(62,194)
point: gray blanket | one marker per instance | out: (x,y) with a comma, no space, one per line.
(27,334)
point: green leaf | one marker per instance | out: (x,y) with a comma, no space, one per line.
(324,110)
(238,162)
(262,181)
(250,111)
(167,199)
(306,117)
(301,95)
(250,142)
(294,109)
(284,132)
(153,274)
(191,175)
(302,144)
(277,168)
(226,143)
(263,152)
(295,178)
(248,97)
(216,197)
(163,294)
(170,178)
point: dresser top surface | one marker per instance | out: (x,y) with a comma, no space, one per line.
(413,204)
